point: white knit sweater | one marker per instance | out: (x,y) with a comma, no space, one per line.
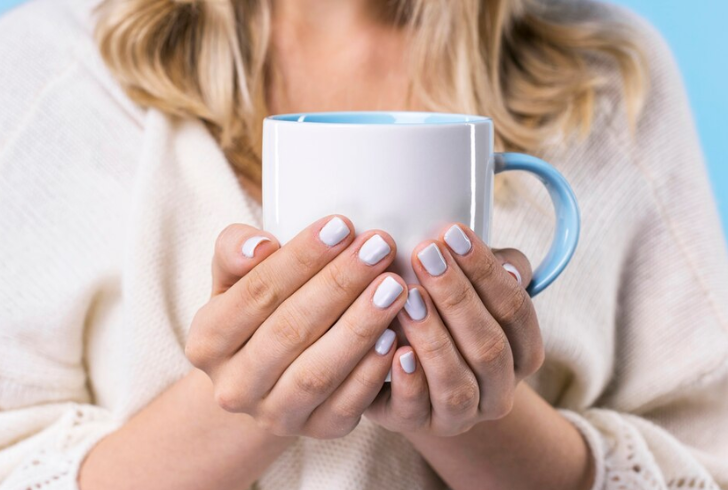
(108,215)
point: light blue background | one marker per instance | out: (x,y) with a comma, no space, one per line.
(697,33)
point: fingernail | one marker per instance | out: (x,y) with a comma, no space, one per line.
(251,243)
(387,291)
(458,241)
(432,260)
(385,341)
(415,305)
(512,271)
(388,379)
(374,250)
(407,361)
(334,231)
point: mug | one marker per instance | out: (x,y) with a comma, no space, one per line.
(407,173)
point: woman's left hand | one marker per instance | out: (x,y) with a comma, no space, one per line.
(474,336)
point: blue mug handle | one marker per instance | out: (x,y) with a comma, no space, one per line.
(568,221)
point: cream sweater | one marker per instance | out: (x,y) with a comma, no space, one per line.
(108,215)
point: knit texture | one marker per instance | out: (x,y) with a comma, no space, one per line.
(108,217)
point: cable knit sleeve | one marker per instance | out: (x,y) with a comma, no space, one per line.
(663,420)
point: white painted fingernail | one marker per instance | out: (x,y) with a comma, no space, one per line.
(407,361)
(388,379)
(374,250)
(387,291)
(334,231)
(432,260)
(251,243)
(385,341)
(415,305)
(458,241)
(513,271)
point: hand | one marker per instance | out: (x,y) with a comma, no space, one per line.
(474,336)
(289,333)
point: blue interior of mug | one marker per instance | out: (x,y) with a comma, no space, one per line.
(367,117)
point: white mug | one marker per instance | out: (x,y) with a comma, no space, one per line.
(407,173)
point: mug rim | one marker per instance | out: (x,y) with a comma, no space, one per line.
(379,118)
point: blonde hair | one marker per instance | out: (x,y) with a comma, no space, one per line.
(508,59)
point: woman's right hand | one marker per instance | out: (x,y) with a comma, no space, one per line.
(296,336)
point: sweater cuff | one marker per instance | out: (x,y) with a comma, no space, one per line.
(55,455)
(594,441)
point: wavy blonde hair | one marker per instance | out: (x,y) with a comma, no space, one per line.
(525,63)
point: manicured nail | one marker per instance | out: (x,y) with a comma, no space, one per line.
(334,231)
(458,241)
(432,260)
(385,341)
(407,361)
(387,291)
(415,305)
(388,379)
(512,271)
(374,250)
(251,243)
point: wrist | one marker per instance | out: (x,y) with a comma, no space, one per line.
(182,440)
(533,446)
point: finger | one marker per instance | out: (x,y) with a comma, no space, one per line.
(309,312)
(506,299)
(528,336)
(406,407)
(516,264)
(238,249)
(319,370)
(230,318)
(478,336)
(453,387)
(341,412)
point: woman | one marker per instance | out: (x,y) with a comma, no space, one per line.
(129,143)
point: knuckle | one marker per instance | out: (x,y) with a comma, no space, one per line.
(313,382)
(515,308)
(461,399)
(461,294)
(260,292)
(533,361)
(435,348)
(359,330)
(287,328)
(343,279)
(411,394)
(197,352)
(499,408)
(409,418)
(230,399)
(345,413)
(492,350)
(303,259)
(368,383)
(198,347)
(485,270)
